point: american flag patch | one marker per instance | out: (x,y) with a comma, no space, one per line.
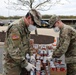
(15,37)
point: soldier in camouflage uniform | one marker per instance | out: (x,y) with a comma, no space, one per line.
(17,43)
(67,43)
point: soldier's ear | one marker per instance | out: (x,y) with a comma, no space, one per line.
(29,17)
(58,22)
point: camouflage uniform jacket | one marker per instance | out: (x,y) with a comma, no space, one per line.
(17,43)
(67,44)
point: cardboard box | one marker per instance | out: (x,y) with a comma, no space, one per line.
(57,72)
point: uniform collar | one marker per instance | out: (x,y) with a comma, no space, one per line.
(24,25)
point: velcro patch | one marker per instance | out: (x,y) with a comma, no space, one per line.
(15,37)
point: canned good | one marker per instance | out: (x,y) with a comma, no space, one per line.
(38,65)
(38,72)
(43,72)
(44,59)
(32,73)
(31,41)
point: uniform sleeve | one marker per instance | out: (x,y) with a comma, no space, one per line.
(62,47)
(15,47)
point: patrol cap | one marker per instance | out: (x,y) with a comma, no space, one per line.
(53,19)
(37,16)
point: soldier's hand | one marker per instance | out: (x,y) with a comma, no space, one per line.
(30,67)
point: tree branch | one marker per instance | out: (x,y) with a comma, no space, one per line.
(42,3)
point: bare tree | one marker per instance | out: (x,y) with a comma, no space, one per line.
(36,4)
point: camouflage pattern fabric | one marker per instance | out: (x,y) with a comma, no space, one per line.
(16,46)
(71,69)
(67,44)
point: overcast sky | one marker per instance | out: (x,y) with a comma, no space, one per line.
(69,8)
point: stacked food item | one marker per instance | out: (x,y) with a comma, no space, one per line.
(43,65)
